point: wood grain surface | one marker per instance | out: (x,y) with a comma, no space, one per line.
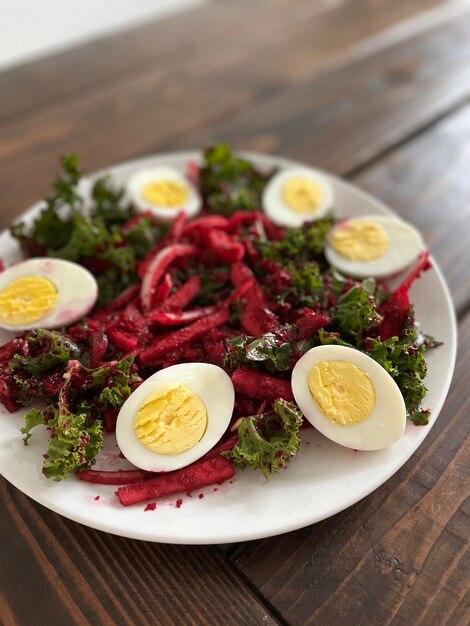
(376,90)
(190,100)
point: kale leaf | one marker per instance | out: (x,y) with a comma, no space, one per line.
(229,183)
(404,360)
(268,441)
(355,311)
(75,440)
(96,239)
(51,349)
(75,424)
(268,350)
(300,245)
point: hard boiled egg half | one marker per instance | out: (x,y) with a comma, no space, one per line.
(373,245)
(45,293)
(165,192)
(297,195)
(349,397)
(175,416)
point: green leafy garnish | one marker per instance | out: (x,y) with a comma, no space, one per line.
(75,423)
(270,350)
(94,239)
(300,245)
(53,349)
(355,311)
(229,183)
(268,441)
(404,360)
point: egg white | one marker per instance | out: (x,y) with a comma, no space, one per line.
(280,213)
(143,177)
(76,287)
(214,387)
(385,424)
(404,246)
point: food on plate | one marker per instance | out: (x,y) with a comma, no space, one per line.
(164,192)
(297,195)
(373,245)
(201,349)
(45,293)
(176,416)
(349,397)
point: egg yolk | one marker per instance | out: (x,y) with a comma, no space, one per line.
(302,195)
(344,393)
(165,193)
(171,419)
(27,300)
(359,240)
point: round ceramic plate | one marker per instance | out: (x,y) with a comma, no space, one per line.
(323,479)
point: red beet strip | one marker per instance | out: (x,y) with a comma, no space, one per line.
(123,340)
(184,295)
(206,223)
(225,248)
(157,269)
(162,291)
(183,337)
(200,474)
(178,318)
(396,309)
(261,386)
(123,298)
(256,318)
(117,477)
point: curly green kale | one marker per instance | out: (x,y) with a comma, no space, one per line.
(229,183)
(75,424)
(52,349)
(94,239)
(270,350)
(268,441)
(300,245)
(355,311)
(404,360)
(74,444)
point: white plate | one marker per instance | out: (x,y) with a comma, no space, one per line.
(322,479)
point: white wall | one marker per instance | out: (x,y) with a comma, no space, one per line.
(33,28)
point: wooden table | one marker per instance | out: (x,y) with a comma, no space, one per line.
(374,90)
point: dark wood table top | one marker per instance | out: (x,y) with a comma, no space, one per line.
(374,90)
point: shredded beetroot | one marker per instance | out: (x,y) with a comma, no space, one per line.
(223,246)
(157,268)
(184,295)
(256,318)
(261,386)
(172,318)
(117,477)
(308,323)
(162,291)
(99,345)
(395,310)
(196,476)
(205,223)
(177,229)
(125,341)
(123,298)
(110,418)
(182,337)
